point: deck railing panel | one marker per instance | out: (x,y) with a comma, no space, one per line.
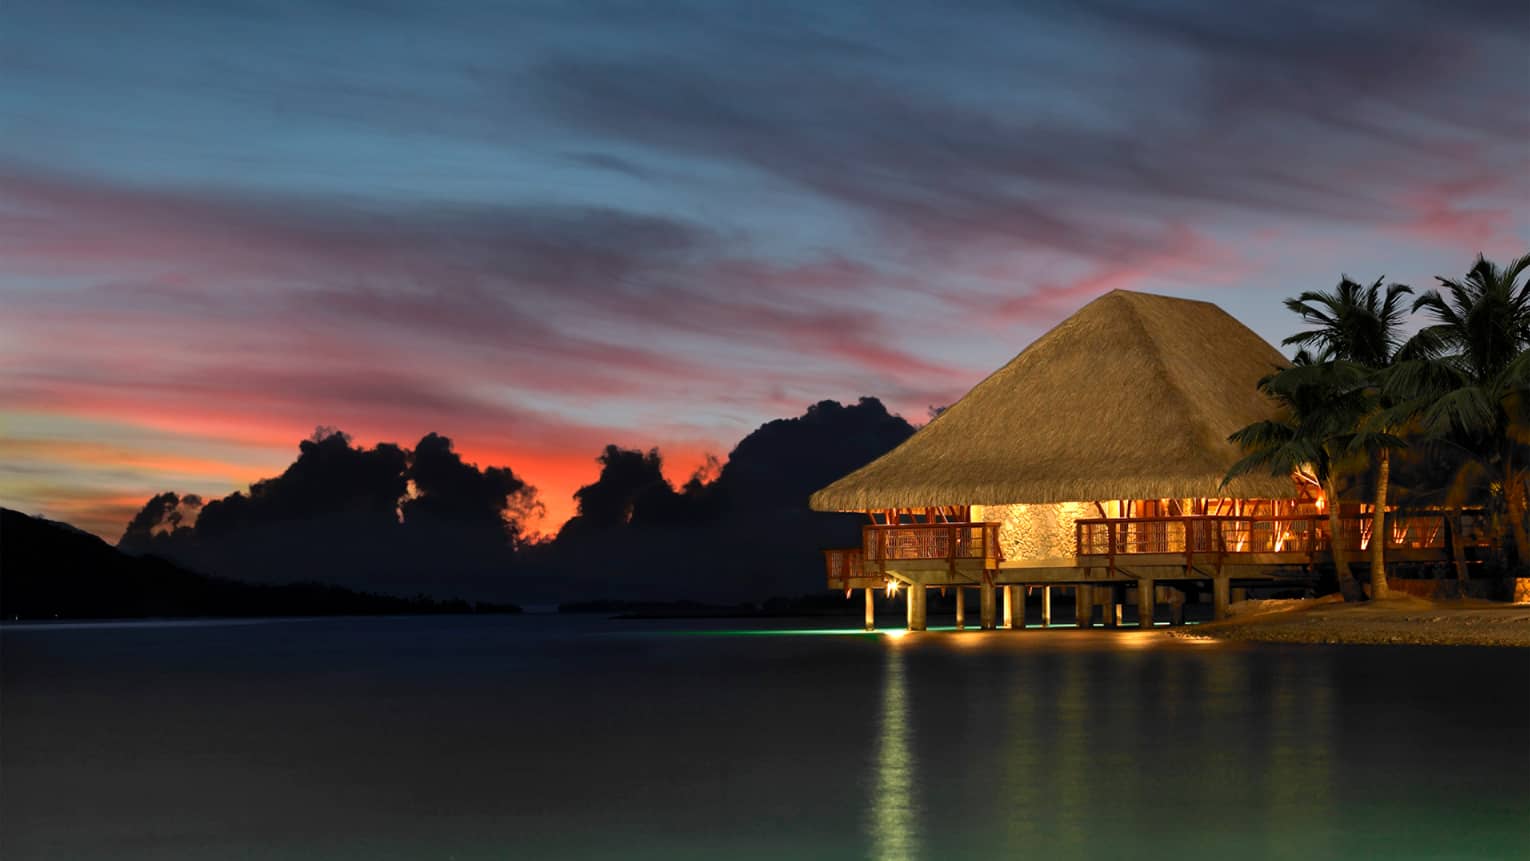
(950,541)
(1127,536)
(843,565)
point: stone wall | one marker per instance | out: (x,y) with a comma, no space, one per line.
(1035,531)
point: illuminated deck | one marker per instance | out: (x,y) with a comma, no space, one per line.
(1125,549)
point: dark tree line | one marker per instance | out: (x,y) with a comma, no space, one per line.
(421,520)
(403,521)
(744,534)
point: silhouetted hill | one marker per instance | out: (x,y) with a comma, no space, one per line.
(745,536)
(387,519)
(405,521)
(50,569)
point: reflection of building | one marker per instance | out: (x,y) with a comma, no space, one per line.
(1095,458)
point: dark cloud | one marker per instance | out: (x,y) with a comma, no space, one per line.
(1262,110)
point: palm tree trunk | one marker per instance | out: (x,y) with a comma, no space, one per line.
(1348,586)
(1379,527)
(1514,496)
(1453,518)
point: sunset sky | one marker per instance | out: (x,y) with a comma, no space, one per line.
(541,227)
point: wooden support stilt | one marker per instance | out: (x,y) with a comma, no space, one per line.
(917,596)
(1083,606)
(986,608)
(1239,594)
(871,609)
(1009,607)
(1219,596)
(961,609)
(1175,598)
(1046,606)
(1147,600)
(1110,614)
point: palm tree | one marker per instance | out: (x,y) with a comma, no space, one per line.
(1467,381)
(1323,403)
(1362,325)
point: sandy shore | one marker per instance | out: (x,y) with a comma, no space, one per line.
(1403,620)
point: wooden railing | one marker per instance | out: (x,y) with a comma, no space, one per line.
(843,565)
(1208,534)
(948,541)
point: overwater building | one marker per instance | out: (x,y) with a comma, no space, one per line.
(1095,460)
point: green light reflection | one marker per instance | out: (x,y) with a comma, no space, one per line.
(771,632)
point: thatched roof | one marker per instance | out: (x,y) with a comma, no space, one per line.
(1133,397)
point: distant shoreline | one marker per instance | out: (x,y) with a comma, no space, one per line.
(40,623)
(1396,621)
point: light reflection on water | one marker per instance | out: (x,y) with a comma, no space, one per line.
(894,809)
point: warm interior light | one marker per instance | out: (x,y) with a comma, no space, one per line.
(892,588)
(895,633)
(1280,542)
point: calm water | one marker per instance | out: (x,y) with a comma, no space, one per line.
(542,737)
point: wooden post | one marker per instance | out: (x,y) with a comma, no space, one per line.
(1009,607)
(1083,606)
(1239,594)
(916,602)
(871,610)
(1110,614)
(1147,600)
(1175,598)
(1219,595)
(986,609)
(1046,606)
(961,609)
